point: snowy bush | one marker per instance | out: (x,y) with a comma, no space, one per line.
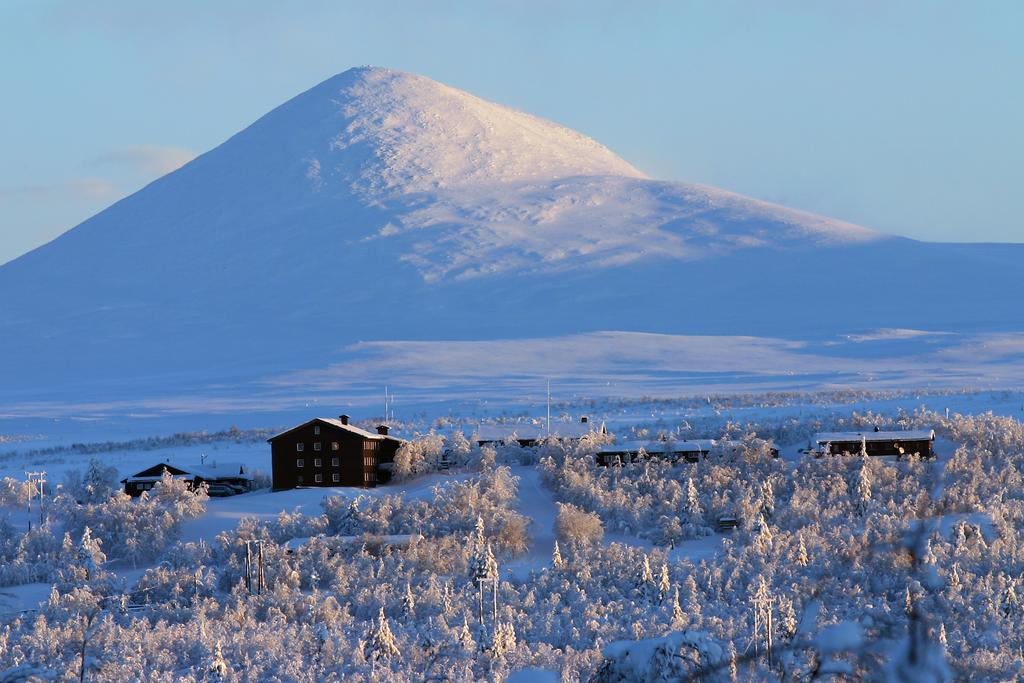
(577,528)
(139,530)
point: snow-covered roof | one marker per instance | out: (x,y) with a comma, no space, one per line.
(904,435)
(208,471)
(694,446)
(334,422)
(384,539)
(535,432)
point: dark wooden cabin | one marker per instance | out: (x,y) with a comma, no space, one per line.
(624,452)
(918,442)
(332,452)
(530,434)
(230,477)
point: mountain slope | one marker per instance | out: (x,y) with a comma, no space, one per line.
(382,205)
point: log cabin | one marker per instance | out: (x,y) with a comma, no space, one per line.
(332,452)
(225,478)
(529,434)
(630,451)
(918,442)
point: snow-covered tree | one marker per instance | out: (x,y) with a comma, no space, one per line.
(556,557)
(466,636)
(218,667)
(504,639)
(767,498)
(663,582)
(801,552)
(863,487)
(678,622)
(408,602)
(578,528)
(97,484)
(381,642)
(646,579)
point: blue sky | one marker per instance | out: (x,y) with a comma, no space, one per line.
(902,116)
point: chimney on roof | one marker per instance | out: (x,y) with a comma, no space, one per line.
(584,420)
(382,429)
(344,419)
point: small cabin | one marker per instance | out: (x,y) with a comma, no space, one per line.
(529,434)
(726,523)
(624,452)
(877,442)
(332,452)
(222,479)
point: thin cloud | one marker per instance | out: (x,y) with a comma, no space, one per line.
(148,159)
(82,188)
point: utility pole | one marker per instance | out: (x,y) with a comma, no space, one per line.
(249,560)
(262,583)
(248,567)
(38,481)
(549,407)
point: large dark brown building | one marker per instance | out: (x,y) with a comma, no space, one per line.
(331,452)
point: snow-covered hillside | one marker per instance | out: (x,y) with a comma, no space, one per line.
(383,206)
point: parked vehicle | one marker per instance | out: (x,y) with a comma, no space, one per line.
(220,490)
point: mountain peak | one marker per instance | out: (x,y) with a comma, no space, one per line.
(387,132)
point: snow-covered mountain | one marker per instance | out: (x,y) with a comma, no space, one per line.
(381,206)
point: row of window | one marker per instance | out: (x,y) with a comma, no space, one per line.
(318,462)
(316,446)
(367,446)
(319,478)
(368,461)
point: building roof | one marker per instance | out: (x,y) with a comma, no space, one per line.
(655,446)
(334,422)
(904,435)
(535,432)
(208,471)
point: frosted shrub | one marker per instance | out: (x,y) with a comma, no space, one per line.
(15,494)
(418,456)
(136,530)
(577,528)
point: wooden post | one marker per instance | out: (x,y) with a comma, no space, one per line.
(248,567)
(262,583)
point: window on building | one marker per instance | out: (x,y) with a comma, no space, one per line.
(300,462)
(317,462)
(334,446)
(335,477)
(316,446)
(335,462)
(300,447)
(318,478)
(298,479)
(316,429)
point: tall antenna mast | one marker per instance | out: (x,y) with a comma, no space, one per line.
(385,403)
(549,407)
